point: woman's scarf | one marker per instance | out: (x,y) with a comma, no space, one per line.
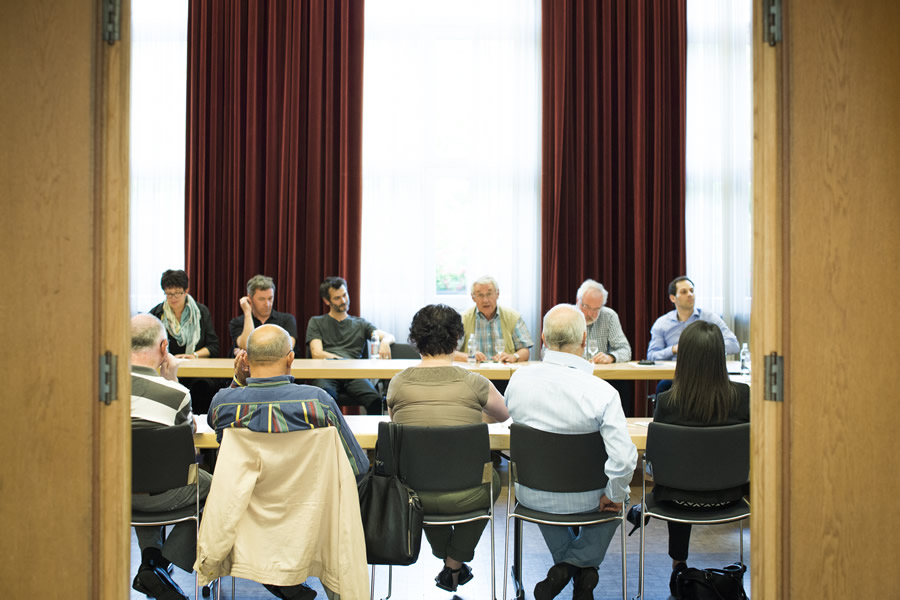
(186,332)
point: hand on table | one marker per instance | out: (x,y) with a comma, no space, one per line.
(384,351)
(506,357)
(602,359)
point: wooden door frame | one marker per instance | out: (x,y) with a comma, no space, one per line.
(769,461)
(112,439)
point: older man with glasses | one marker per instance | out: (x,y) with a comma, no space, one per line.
(606,342)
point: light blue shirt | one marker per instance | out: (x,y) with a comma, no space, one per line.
(665,333)
(562,395)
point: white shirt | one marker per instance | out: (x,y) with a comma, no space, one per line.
(562,395)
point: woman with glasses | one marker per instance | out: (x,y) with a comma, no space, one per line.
(190,329)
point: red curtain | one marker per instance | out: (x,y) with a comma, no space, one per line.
(274,150)
(612,190)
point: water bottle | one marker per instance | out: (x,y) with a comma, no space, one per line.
(473,348)
(745,359)
(374,345)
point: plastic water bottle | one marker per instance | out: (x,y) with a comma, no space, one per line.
(745,359)
(473,348)
(374,345)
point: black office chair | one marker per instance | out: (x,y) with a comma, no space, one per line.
(427,465)
(557,463)
(162,459)
(399,350)
(696,459)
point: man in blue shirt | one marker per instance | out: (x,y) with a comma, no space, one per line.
(581,403)
(665,332)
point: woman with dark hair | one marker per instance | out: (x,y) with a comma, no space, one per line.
(437,393)
(701,396)
(190,330)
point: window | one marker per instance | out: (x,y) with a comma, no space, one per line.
(719,130)
(451,156)
(158,99)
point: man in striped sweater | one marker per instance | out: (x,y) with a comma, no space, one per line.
(158,400)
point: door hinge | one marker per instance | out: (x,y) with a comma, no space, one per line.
(772,21)
(110,17)
(109,363)
(774,378)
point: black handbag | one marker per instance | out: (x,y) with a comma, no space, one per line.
(391,513)
(711,584)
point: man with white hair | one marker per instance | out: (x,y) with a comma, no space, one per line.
(562,395)
(603,326)
(158,400)
(500,332)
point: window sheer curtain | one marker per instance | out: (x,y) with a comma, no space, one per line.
(158,93)
(718,200)
(451,157)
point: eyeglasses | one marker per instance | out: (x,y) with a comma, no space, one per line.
(484,296)
(175,294)
(590,309)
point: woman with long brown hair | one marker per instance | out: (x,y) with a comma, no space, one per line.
(701,396)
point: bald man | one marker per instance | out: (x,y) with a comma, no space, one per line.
(277,403)
(561,395)
(158,400)
(263,385)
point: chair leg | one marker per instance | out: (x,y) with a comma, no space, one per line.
(641,563)
(390,583)
(624,558)
(493,558)
(741,523)
(506,574)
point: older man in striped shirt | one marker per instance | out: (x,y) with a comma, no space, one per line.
(606,342)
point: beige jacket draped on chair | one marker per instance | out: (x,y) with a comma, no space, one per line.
(283,507)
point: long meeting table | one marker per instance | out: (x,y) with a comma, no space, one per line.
(365,429)
(317,368)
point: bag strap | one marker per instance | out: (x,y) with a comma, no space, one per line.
(395,432)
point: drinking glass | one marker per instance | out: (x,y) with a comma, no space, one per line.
(499,346)
(592,349)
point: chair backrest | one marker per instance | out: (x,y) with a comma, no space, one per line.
(437,458)
(699,458)
(557,462)
(161,458)
(399,350)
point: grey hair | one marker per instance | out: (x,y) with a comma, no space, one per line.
(260,282)
(268,343)
(590,284)
(485,280)
(146,332)
(564,327)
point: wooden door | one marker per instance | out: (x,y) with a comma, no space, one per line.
(64,478)
(826,290)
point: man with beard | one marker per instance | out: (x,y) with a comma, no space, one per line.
(338,335)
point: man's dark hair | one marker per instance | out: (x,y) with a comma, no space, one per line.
(331,283)
(174,279)
(436,329)
(673,286)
